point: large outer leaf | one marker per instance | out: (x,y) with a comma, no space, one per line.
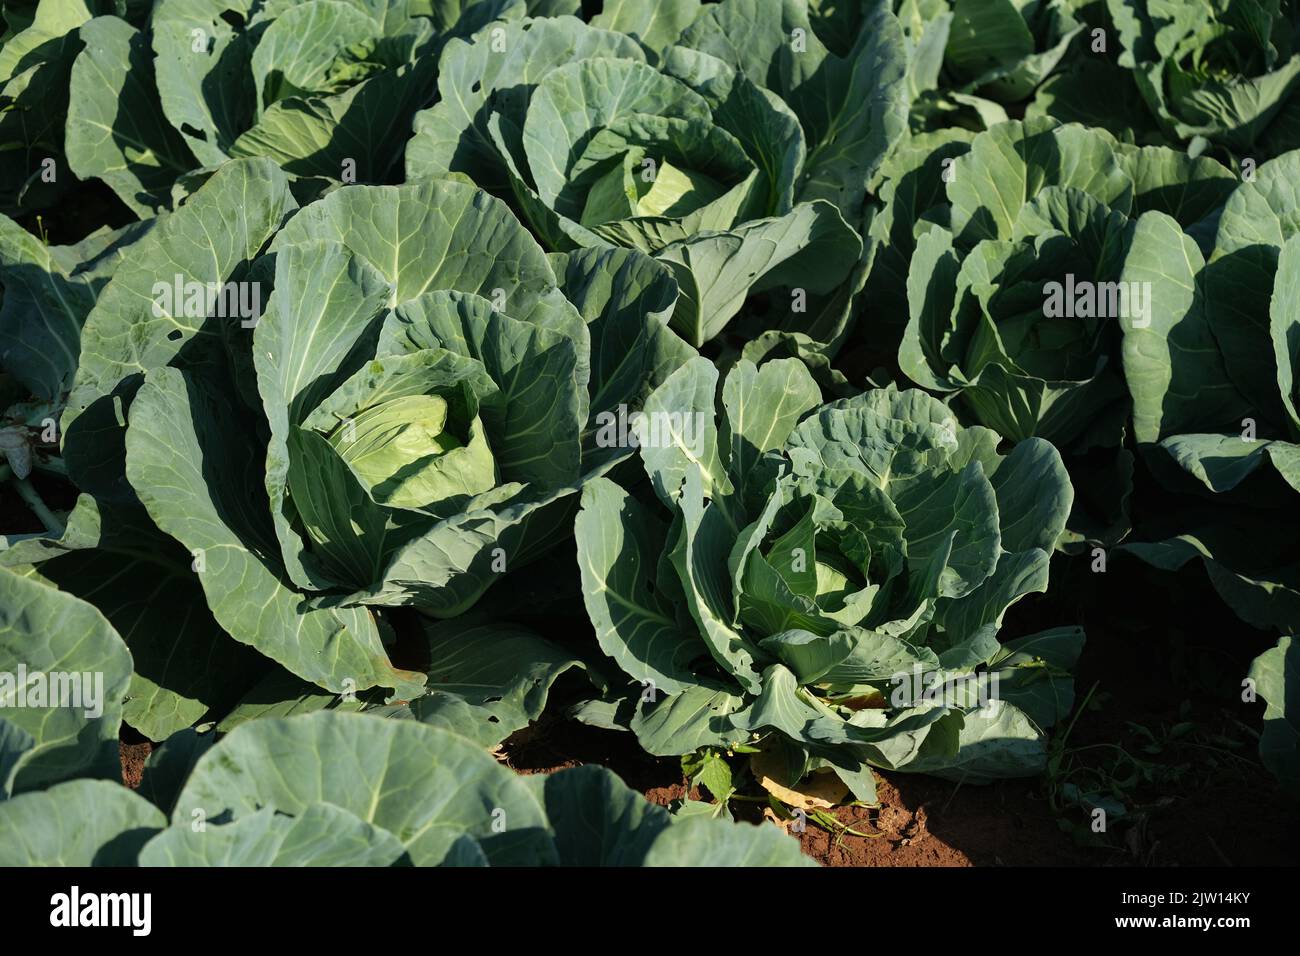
(326,305)
(425,786)
(1276,673)
(296,49)
(810,248)
(1284,328)
(52,634)
(79,823)
(1221,462)
(280,694)
(755,37)
(763,406)
(1034,673)
(1258,218)
(681,412)
(182,458)
(207,94)
(113,557)
(599,821)
(1187,188)
(1174,368)
(995,744)
(116,130)
(985,34)
(34,67)
(700,558)
(452,135)
(619,543)
(705,841)
(1261,593)
(931,296)
(913,184)
(626,298)
(41,313)
(428,236)
(854,112)
(1009,164)
(323,835)
(358,131)
(211,239)
(1034,496)
(699,716)
(656,24)
(974,619)
(51,21)
(952,513)
(170,763)
(503,672)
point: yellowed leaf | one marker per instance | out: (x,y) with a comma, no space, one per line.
(820,789)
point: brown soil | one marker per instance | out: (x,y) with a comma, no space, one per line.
(134,756)
(135,749)
(927,822)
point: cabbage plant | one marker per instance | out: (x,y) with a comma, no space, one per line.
(1014,292)
(408,418)
(971,59)
(828,581)
(150,99)
(37,51)
(1220,72)
(1213,380)
(743,167)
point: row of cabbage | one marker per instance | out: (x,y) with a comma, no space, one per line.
(787,340)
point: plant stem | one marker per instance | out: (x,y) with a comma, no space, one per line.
(33,500)
(1078,712)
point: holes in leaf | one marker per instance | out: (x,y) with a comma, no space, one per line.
(174,335)
(233,18)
